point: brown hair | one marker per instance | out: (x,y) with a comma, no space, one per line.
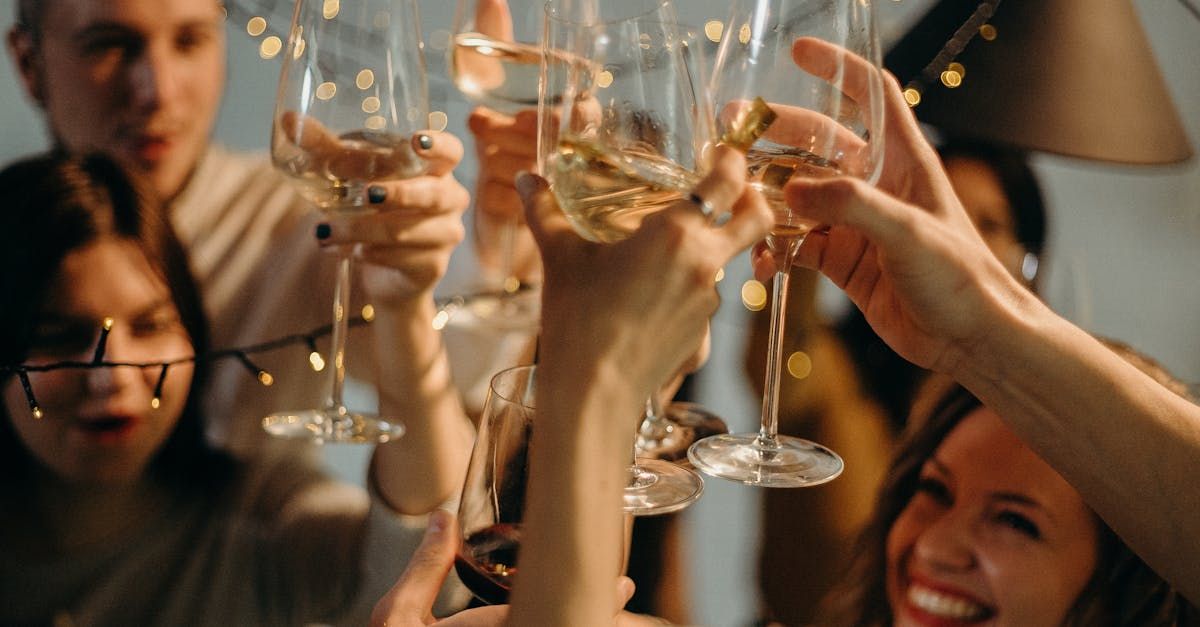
(1123,590)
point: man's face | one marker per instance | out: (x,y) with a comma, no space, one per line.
(138,79)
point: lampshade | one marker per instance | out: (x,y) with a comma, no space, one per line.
(1072,77)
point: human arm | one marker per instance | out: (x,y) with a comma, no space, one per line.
(906,254)
(406,246)
(618,320)
(504,146)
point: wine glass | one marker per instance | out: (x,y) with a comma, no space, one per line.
(807,71)
(495,58)
(351,94)
(625,136)
(493,497)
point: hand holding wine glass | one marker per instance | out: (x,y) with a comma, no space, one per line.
(822,123)
(352,94)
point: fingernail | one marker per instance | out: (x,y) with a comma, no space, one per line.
(324,231)
(376,194)
(425,141)
(525,183)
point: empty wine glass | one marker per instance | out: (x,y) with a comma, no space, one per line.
(624,137)
(351,94)
(807,71)
(495,58)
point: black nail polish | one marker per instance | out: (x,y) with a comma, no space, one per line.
(376,194)
(324,231)
(425,141)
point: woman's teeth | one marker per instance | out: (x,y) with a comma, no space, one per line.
(944,605)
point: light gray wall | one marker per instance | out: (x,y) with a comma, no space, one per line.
(1124,260)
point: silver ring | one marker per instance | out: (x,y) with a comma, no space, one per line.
(710,212)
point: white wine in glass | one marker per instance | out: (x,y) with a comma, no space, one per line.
(352,93)
(624,137)
(812,68)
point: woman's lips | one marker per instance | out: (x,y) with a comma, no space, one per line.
(110,429)
(938,606)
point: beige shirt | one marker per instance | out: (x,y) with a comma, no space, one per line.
(282,545)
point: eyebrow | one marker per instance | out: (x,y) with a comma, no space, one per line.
(59,317)
(1006,497)
(104,27)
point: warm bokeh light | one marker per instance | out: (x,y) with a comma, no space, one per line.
(326,90)
(720,275)
(256,26)
(316,361)
(744,34)
(604,79)
(298,49)
(368,312)
(155,403)
(438,120)
(370,104)
(270,47)
(988,32)
(440,320)
(955,66)
(799,365)
(376,123)
(713,30)
(265,378)
(951,79)
(365,79)
(754,295)
(912,97)
(331,8)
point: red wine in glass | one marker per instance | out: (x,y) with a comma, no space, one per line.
(487,562)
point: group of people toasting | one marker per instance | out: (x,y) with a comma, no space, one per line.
(1049,484)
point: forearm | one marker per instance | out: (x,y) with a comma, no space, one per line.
(1130,446)
(573,520)
(424,467)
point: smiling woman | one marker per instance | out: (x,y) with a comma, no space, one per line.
(972,527)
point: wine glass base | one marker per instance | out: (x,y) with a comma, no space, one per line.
(746,458)
(658,487)
(517,311)
(330,426)
(685,423)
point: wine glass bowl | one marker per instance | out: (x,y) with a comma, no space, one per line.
(352,92)
(492,504)
(809,72)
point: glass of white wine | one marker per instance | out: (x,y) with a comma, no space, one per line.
(494,60)
(809,70)
(352,93)
(625,136)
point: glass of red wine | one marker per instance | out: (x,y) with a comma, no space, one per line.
(493,498)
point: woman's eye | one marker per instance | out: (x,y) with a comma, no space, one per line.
(62,340)
(934,489)
(1019,523)
(154,324)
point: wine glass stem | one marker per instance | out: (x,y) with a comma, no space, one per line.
(508,244)
(653,426)
(785,249)
(337,348)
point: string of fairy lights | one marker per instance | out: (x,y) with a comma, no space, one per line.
(242,354)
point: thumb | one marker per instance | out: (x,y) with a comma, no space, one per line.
(411,600)
(546,221)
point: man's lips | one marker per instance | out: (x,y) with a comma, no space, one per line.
(151,147)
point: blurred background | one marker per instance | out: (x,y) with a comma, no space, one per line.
(1123,256)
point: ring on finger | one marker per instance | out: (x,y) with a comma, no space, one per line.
(710,212)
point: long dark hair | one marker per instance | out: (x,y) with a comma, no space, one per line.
(54,204)
(1122,592)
